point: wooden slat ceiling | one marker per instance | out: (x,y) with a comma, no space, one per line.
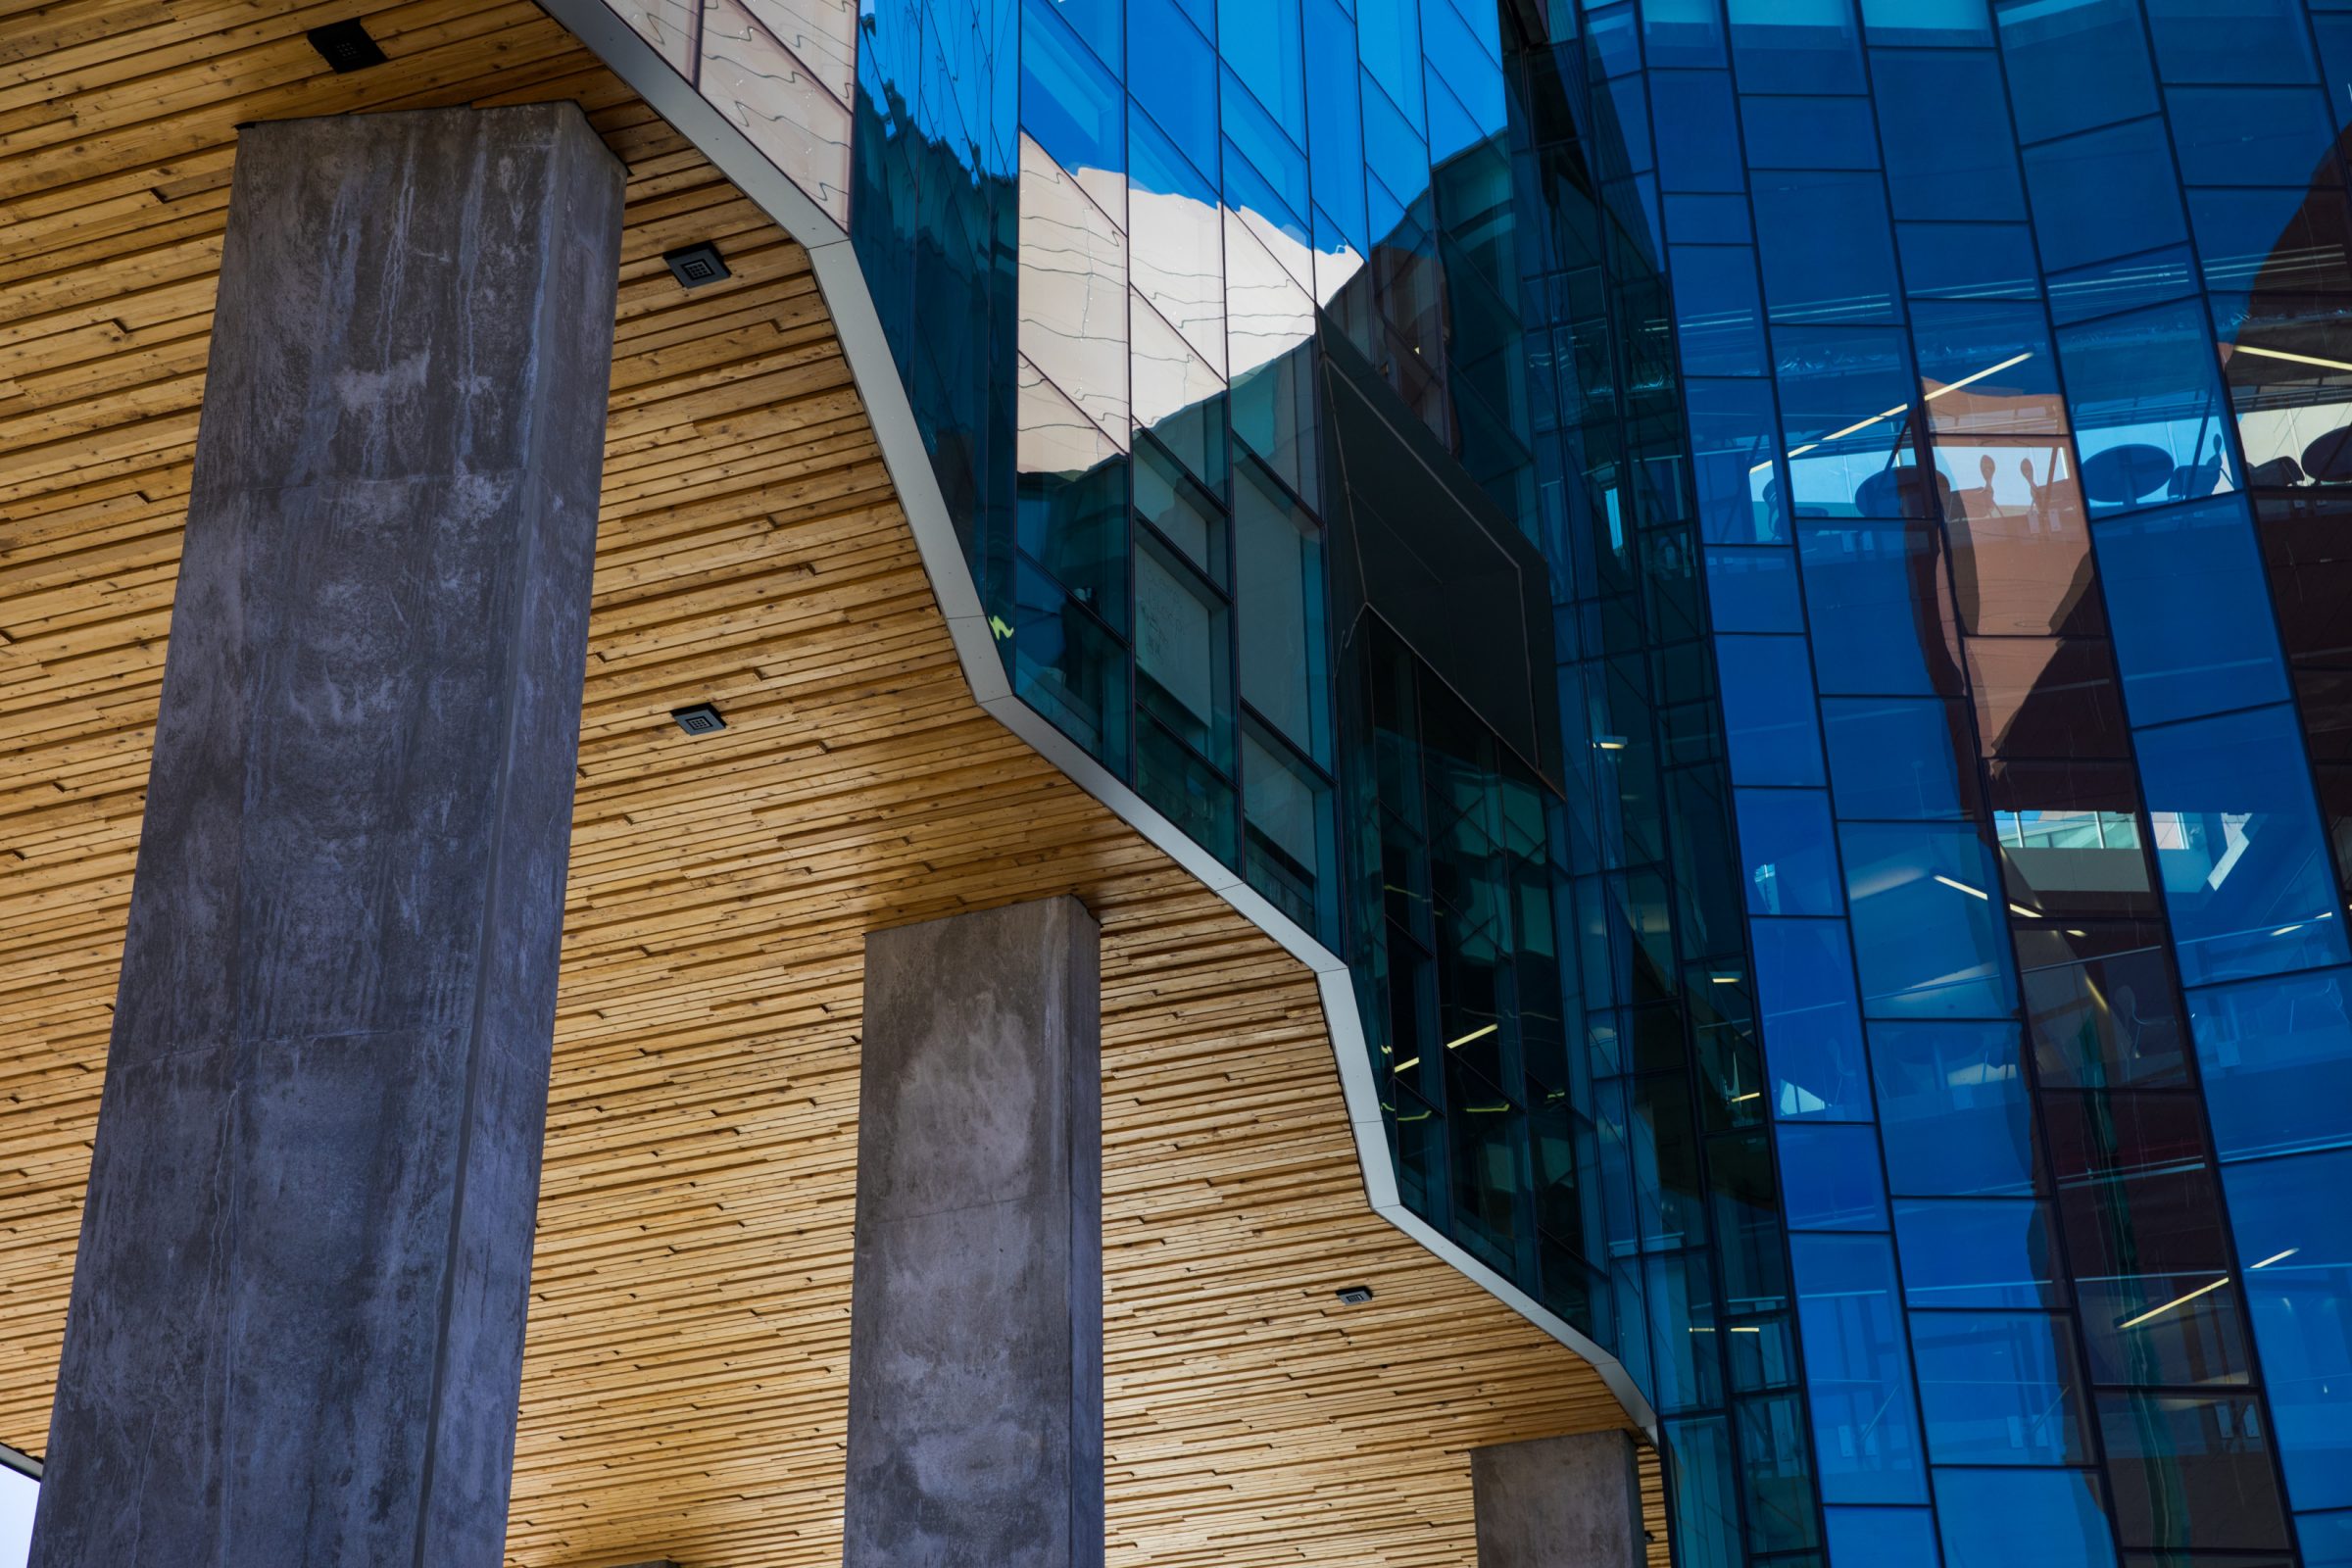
(684,1392)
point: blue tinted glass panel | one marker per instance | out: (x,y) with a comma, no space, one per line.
(2277,1059)
(2252,135)
(1069,102)
(2238,847)
(2190,613)
(1698,131)
(2148,278)
(1753,590)
(1682,32)
(1389,33)
(1830,1177)
(1928,937)
(2229,40)
(1334,123)
(1946,132)
(1276,160)
(2104,193)
(1844,393)
(1265,44)
(2326,1538)
(1926,22)
(1796,46)
(1768,710)
(1882,625)
(1741,498)
(2075,63)
(1865,1426)
(1098,23)
(1789,854)
(1882,1537)
(1718,315)
(1968,260)
(1809,133)
(2149,422)
(1899,757)
(2295,1243)
(2008,1518)
(1826,249)
(1976,1253)
(1812,1031)
(1180,89)
(1704,219)
(1952,1103)
(1999,1388)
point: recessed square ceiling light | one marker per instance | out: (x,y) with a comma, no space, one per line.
(699,718)
(694,264)
(346,46)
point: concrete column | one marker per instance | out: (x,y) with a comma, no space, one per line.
(296,1326)
(976,1319)
(1559,1502)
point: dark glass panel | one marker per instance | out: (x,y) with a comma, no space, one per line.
(1787,131)
(1778,47)
(2275,1057)
(2231,40)
(1865,1426)
(2307,542)
(2152,1275)
(1928,934)
(1968,260)
(1946,134)
(1698,131)
(2252,135)
(1976,1253)
(2190,1472)
(1953,1106)
(2000,1388)
(1706,1509)
(1286,813)
(2295,1244)
(1069,667)
(2046,697)
(2075,63)
(2009,1518)
(1718,312)
(2239,847)
(1753,590)
(2107,1022)
(1828,251)
(1741,498)
(2104,193)
(1781,1513)
(1280,597)
(2070,840)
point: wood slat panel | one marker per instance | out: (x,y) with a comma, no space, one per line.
(685,1387)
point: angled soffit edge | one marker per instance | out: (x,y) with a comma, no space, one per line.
(842,282)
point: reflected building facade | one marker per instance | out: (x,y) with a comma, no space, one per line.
(1771,574)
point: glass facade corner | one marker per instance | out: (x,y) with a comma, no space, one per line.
(1772,576)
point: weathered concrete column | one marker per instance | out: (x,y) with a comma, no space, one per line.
(296,1326)
(1559,1502)
(976,1319)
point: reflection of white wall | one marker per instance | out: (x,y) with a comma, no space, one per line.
(17,1495)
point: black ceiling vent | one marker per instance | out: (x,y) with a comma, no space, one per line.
(1355,1294)
(346,46)
(701,718)
(693,266)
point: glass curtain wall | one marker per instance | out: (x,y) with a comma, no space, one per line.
(1895,998)
(2015,349)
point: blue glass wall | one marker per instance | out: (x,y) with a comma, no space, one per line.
(1772,573)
